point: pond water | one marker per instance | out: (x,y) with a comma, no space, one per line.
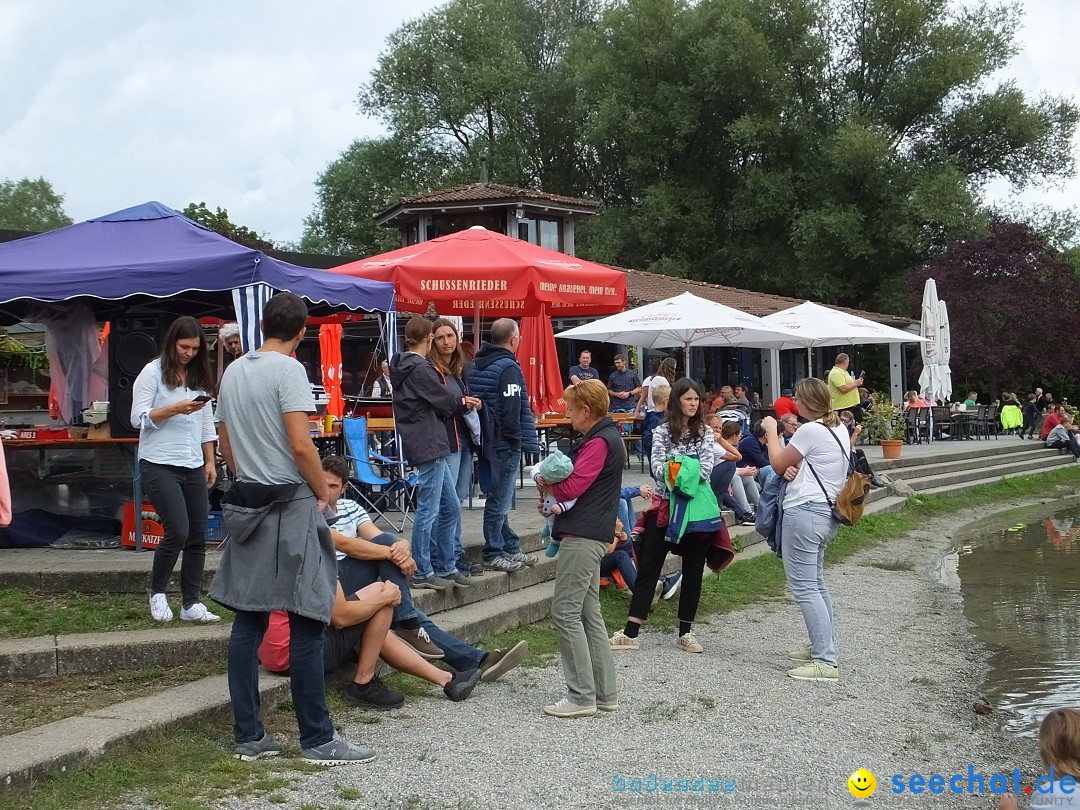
(1021,588)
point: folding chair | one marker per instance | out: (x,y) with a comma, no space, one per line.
(378,494)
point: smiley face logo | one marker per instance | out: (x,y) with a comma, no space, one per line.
(862,784)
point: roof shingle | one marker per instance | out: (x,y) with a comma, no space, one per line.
(492,192)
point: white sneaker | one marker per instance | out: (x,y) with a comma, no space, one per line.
(621,641)
(159,608)
(198,613)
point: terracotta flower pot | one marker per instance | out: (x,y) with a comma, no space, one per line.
(890,448)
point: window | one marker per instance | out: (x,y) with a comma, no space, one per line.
(550,233)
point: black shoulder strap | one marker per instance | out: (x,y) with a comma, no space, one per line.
(847,455)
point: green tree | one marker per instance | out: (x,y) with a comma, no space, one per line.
(219,222)
(369,177)
(31,205)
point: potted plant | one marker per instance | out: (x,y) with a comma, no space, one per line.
(884,424)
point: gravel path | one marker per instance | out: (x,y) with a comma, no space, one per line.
(910,672)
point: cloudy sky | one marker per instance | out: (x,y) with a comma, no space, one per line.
(241,103)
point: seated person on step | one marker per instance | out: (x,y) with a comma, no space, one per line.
(367,555)
(358,631)
(619,559)
(1063,437)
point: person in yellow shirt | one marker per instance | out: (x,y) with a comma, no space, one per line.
(844,389)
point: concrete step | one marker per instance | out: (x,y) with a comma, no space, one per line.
(937,479)
(1004,445)
(967,463)
(29,756)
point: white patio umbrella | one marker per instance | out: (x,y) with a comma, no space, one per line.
(931,380)
(818,325)
(945,334)
(685,320)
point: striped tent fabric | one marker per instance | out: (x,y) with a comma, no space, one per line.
(249,302)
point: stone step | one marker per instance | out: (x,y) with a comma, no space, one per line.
(1005,445)
(29,756)
(966,463)
(976,475)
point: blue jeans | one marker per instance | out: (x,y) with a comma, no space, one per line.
(620,560)
(438,512)
(807,531)
(458,654)
(499,538)
(305,671)
(461,467)
(356,574)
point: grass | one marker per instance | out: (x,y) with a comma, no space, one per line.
(34,702)
(27,613)
(191,767)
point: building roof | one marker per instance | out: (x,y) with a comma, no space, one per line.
(488,194)
(643,287)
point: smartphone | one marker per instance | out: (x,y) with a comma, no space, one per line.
(202,398)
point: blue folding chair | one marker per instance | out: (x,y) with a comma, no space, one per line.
(393,492)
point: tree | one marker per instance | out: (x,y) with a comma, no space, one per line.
(369,177)
(31,205)
(816,148)
(219,222)
(1014,308)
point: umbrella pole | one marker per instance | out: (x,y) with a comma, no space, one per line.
(476,327)
(809,362)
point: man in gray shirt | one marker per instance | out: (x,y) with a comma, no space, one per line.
(280,555)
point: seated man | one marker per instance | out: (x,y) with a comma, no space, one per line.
(358,625)
(1063,437)
(785,405)
(754,454)
(367,555)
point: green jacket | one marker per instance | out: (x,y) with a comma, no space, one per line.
(692,505)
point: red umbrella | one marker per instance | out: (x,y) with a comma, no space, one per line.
(483,273)
(330,352)
(540,361)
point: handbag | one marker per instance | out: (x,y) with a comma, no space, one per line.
(851,500)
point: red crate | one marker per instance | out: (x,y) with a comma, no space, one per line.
(152,530)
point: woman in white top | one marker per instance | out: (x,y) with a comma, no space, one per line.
(176,461)
(821,447)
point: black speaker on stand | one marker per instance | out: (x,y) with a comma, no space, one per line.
(133,342)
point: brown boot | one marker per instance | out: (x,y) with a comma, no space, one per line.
(419,640)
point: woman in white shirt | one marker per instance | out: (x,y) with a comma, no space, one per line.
(821,447)
(176,461)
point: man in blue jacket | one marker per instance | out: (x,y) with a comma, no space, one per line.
(496,377)
(755,454)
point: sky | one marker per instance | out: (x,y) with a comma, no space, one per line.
(242,104)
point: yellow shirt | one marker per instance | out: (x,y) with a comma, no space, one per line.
(840,401)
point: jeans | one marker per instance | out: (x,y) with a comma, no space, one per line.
(461,467)
(1072,445)
(458,654)
(745,487)
(179,496)
(499,538)
(356,574)
(587,663)
(438,513)
(305,671)
(723,476)
(621,560)
(807,531)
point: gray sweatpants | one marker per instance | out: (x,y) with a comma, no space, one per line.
(587,662)
(807,530)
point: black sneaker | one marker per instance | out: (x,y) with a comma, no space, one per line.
(373,695)
(748,520)
(462,684)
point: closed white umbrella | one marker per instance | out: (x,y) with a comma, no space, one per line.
(930,380)
(685,320)
(945,338)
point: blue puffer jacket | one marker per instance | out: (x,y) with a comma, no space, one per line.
(495,377)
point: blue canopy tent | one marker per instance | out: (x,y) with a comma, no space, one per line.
(150,258)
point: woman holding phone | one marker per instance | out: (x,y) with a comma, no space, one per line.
(176,461)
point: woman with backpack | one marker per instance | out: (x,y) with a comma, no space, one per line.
(816,464)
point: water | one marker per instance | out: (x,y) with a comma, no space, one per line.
(1021,588)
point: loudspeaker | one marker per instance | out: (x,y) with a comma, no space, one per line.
(133,342)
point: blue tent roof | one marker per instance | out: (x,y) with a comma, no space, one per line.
(152,252)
